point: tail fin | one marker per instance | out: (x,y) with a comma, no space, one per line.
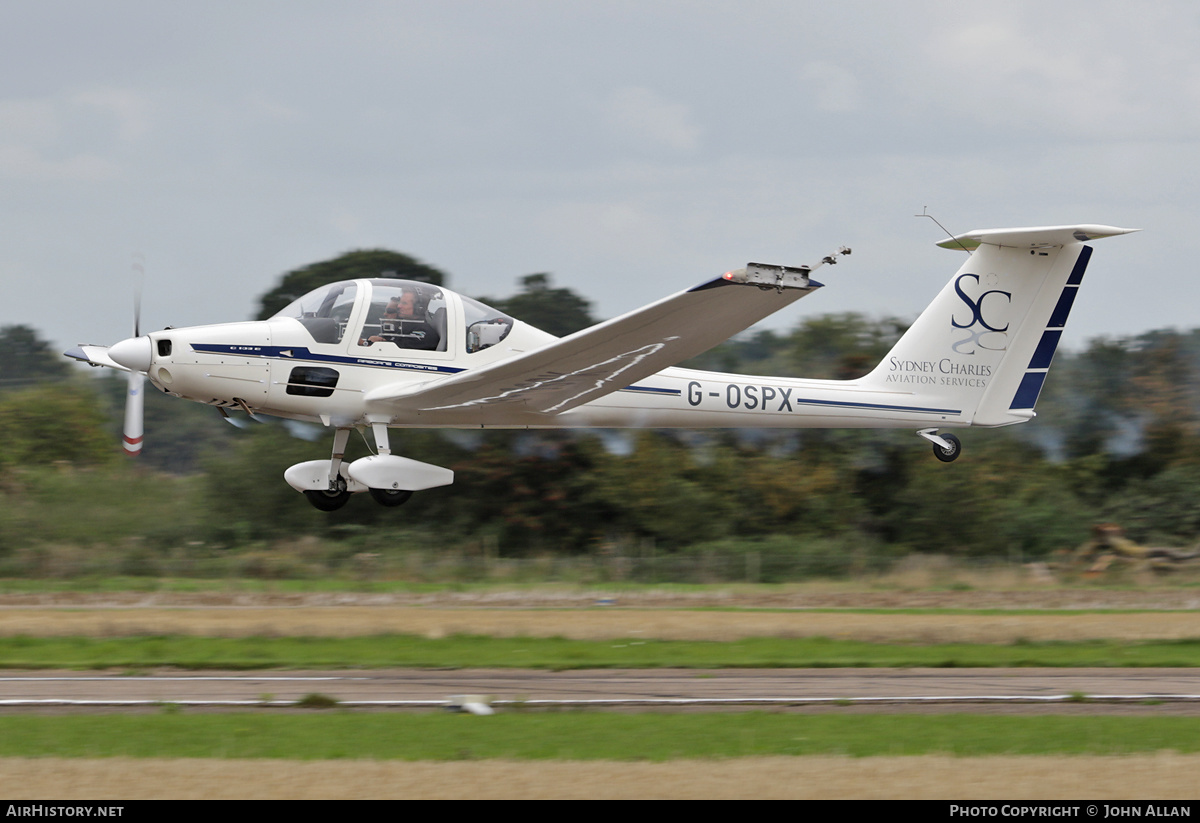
(985,343)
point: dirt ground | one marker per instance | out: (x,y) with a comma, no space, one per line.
(600,615)
(595,624)
(832,595)
(1158,777)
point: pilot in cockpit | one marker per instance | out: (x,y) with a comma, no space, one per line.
(403,324)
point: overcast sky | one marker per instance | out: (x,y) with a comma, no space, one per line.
(629,148)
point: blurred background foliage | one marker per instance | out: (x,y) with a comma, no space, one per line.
(1117,439)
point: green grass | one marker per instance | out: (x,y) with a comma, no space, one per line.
(342,734)
(947,612)
(105,584)
(469,651)
(349,582)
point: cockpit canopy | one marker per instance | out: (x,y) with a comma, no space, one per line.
(397,314)
(406,314)
(323,312)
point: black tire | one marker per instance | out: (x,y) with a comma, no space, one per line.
(328,501)
(391,497)
(951,454)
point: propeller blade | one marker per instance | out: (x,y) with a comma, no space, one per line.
(131,437)
(139,272)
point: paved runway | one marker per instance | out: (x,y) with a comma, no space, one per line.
(646,686)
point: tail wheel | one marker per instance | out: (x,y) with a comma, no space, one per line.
(391,497)
(951,454)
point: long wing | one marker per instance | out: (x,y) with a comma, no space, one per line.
(610,356)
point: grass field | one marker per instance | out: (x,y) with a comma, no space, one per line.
(342,756)
(575,735)
(474,651)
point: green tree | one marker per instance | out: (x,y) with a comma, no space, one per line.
(658,492)
(842,346)
(26,358)
(557,311)
(349,266)
(1161,509)
(535,491)
(828,346)
(49,423)
(1086,403)
(759,352)
(247,498)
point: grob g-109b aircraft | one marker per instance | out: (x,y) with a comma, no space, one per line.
(383,353)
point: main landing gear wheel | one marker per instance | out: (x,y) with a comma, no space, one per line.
(391,497)
(951,454)
(329,500)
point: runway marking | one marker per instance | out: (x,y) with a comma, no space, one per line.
(647,701)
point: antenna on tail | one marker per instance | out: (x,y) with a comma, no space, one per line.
(925,213)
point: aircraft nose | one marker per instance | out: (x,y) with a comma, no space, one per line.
(133,353)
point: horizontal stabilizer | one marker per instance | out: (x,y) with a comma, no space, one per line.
(1034,237)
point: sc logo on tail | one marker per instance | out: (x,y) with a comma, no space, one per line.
(977,326)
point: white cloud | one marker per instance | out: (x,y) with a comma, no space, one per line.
(1112,73)
(28,121)
(835,88)
(641,115)
(129,110)
(58,138)
(622,228)
(346,224)
(24,163)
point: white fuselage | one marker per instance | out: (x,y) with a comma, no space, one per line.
(249,364)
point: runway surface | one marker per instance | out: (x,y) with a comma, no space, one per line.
(422,687)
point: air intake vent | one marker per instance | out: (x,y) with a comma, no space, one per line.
(312,381)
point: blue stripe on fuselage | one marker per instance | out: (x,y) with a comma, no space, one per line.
(301,353)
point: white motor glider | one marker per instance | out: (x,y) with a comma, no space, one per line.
(382,353)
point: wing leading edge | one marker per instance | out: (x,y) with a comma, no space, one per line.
(611,355)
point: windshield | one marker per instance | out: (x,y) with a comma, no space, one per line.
(405,314)
(485,326)
(323,312)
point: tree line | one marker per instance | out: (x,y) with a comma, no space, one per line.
(1117,438)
